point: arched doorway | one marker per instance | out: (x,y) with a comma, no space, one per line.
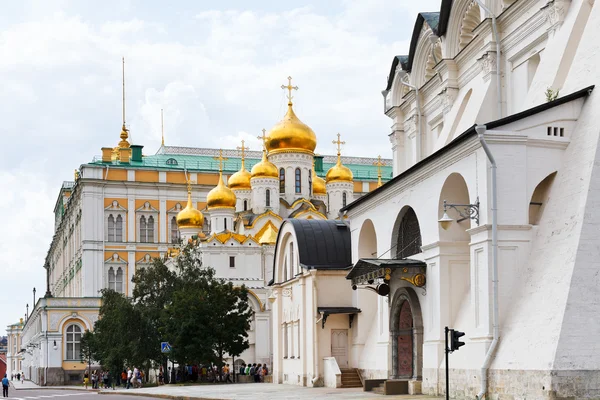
(406,331)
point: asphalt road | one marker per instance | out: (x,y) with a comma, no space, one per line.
(49,394)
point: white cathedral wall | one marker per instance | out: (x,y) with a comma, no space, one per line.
(248,259)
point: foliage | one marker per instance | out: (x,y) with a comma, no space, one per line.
(181,302)
(88,347)
(551,94)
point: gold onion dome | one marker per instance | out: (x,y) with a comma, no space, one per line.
(265,168)
(220,196)
(339,173)
(240,180)
(190,217)
(291,134)
(318,183)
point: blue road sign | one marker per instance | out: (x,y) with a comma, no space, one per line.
(165,347)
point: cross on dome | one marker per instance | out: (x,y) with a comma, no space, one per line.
(243,150)
(263,138)
(339,144)
(289,88)
(220,159)
(378,164)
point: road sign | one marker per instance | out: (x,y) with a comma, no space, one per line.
(165,347)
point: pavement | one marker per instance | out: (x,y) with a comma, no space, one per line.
(242,391)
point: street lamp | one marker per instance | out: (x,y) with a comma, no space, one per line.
(466,211)
(55,346)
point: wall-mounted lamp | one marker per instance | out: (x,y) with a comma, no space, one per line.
(466,211)
(55,346)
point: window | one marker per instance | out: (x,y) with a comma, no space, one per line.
(298,180)
(268,198)
(344,199)
(73,342)
(147,229)
(174,230)
(111,228)
(171,161)
(231,261)
(285,271)
(292,259)
(281,180)
(111,278)
(284,333)
(119,229)
(309,183)
(119,280)
(245,205)
(225,224)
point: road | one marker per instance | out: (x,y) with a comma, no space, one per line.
(49,394)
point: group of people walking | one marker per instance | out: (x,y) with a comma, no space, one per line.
(127,378)
(257,371)
(6,383)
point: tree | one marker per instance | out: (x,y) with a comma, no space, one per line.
(88,349)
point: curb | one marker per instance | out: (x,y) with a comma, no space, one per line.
(163,396)
(56,388)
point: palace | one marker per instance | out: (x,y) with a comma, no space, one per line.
(489,225)
(124,208)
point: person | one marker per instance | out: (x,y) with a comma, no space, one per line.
(18,376)
(257,373)
(242,369)
(5,384)
(227,374)
(124,378)
(129,375)
(247,371)
(86,378)
(22,377)
(94,380)
(266,370)
(252,370)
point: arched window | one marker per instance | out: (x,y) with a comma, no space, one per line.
(245,205)
(143,229)
(171,161)
(268,198)
(111,279)
(225,224)
(119,280)
(344,199)
(73,342)
(119,229)
(298,185)
(285,270)
(409,235)
(151,229)
(281,180)
(111,228)
(174,230)
(309,183)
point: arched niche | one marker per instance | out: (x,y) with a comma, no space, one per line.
(539,198)
(282,273)
(463,19)
(454,191)
(406,237)
(471,18)
(367,240)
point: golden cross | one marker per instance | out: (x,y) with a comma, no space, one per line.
(243,149)
(339,144)
(263,138)
(378,164)
(289,88)
(189,185)
(221,159)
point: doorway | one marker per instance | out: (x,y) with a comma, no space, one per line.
(406,335)
(339,346)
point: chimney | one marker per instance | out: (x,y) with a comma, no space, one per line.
(124,154)
(107,154)
(136,152)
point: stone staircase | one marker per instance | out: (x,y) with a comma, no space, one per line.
(350,378)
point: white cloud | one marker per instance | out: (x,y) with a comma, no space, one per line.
(215,72)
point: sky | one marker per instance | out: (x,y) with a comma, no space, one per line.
(214,67)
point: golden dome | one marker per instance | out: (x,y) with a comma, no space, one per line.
(190,217)
(241,179)
(318,184)
(339,173)
(265,168)
(291,134)
(221,196)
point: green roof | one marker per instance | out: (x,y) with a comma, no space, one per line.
(203,163)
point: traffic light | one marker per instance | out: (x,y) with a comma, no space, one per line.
(455,342)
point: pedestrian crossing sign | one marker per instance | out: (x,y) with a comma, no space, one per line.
(165,347)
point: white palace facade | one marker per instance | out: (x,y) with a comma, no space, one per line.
(489,225)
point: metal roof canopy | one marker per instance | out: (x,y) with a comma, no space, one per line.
(367,269)
(327,311)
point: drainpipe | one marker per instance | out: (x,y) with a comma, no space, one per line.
(480,129)
(497,40)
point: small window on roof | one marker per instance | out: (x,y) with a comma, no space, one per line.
(171,161)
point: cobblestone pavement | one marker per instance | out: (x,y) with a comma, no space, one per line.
(262,391)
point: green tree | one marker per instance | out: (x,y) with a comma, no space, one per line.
(88,349)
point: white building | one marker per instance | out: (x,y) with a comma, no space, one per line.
(125,208)
(535,337)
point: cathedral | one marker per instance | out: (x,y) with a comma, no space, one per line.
(489,225)
(125,208)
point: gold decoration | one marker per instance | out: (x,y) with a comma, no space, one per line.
(190,217)
(220,196)
(378,164)
(417,280)
(339,172)
(319,187)
(265,168)
(241,179)
(124,131)
(290,134)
